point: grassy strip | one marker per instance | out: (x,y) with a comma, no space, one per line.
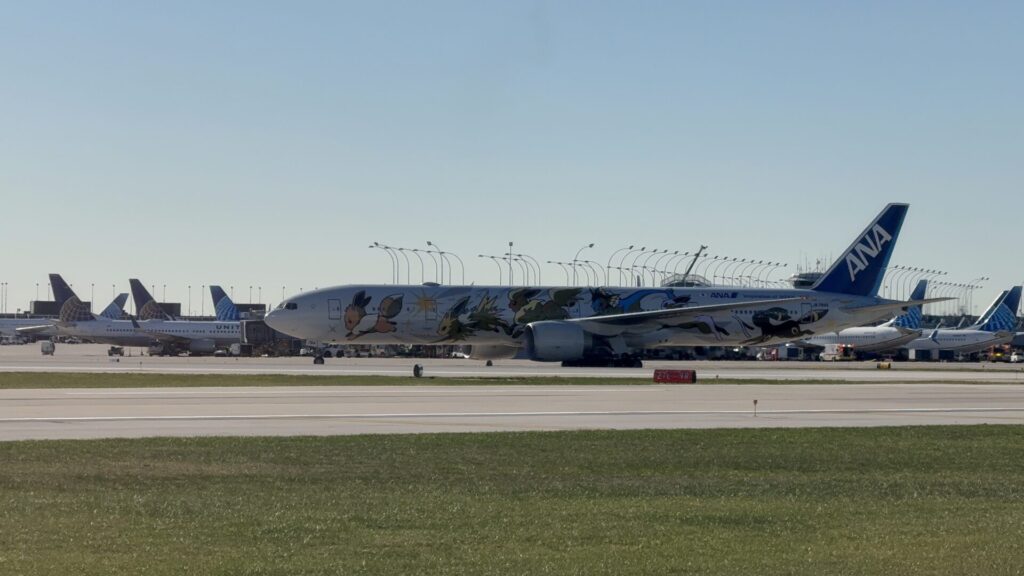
(923,500)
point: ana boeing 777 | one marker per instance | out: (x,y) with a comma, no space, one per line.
(602,325)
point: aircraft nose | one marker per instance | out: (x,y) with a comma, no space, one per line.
(277,320)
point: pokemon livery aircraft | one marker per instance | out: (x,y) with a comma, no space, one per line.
(602,325)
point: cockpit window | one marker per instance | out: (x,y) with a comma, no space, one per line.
(291,306)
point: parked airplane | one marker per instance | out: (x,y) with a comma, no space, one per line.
(75,319)
(995,327)
(44,327)
(196,336)
(889,336)
(602,325)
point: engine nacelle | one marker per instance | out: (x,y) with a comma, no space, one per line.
(202,346)
(554,341)
(492,352)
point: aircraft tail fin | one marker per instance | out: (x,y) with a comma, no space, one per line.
(146,307)
(226,309)
(912,317)
(72,309)
(1001,316)
(860,268)
(115,310)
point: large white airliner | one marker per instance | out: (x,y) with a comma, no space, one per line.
(75,319)
(193,336)
(869,339)
(995,327)
(602,325)
(43,327)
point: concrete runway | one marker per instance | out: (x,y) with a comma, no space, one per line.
(909,394)
(93,358)
(103,413)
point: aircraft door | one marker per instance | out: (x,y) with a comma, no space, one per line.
(334,309)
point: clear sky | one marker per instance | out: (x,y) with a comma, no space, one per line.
(267,144)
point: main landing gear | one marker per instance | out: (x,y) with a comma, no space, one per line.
(318,359)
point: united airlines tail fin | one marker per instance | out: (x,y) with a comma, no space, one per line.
(1001,316)
(115,310)
(146,307)
(912,317)
(61,291)
(226,309)
(71,308)
(860,269)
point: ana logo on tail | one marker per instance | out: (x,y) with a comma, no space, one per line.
(866,250)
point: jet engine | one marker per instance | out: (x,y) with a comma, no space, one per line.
(492,352)
(554,341)
(202,346)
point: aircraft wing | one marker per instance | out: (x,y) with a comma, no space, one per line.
(160,336)
(634,322)
(33,329)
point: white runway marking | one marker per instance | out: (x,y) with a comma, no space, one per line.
(506,414)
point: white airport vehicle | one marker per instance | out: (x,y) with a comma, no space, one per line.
(602,325)
(892,335)
(995,327)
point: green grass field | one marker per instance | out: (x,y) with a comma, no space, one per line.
(935,500)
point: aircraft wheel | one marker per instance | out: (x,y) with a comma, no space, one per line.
(318,360)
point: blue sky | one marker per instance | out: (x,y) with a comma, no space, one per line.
(268,144)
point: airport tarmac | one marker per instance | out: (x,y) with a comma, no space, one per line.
(331,410)
(908,394)
(93,358)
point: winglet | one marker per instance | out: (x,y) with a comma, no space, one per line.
(859,270)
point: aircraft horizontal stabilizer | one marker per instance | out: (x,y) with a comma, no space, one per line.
(895,306)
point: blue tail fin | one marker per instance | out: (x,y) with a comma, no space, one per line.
(146,307)
(115,310)
(226,310)
(61,291)
(71,308)
(860,269)
(912,318)
(1001,316)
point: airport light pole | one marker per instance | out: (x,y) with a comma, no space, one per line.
(716,266)
(706,263)
(396,267)
(511,276)
(524,268)
(416,253)
(576,259)
(497,262)
(594,267)
(622,263)
(608,268)
(202,300)
(434,258)
(535,263)
(657,262)
(564,269)
(440,256)
(190,300)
